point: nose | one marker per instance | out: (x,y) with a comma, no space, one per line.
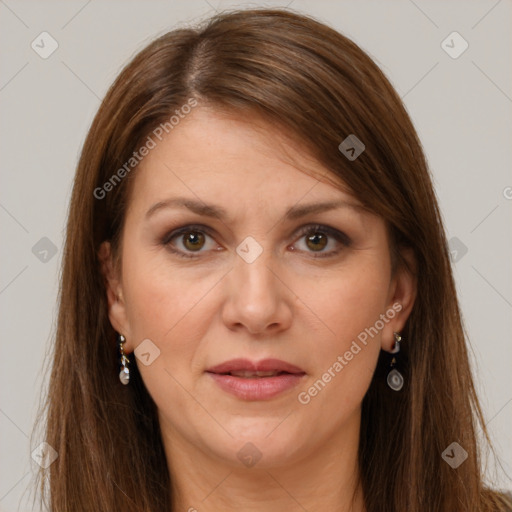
(257,298)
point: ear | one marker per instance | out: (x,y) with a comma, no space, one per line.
(114,290)
(402,294)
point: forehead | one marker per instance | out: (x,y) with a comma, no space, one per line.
(240,162)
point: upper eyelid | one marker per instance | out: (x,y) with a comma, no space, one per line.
(329,230)
(169,235)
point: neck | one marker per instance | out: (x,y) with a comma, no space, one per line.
(325,479)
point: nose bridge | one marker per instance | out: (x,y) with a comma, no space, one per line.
(257,298)
(252,272)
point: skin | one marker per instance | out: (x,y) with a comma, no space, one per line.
(288,304)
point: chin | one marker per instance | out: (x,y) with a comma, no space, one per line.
(262,443)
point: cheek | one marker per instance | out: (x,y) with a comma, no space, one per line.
(349,305)
(162,295)
(174,306)
(347,300)
(171,308)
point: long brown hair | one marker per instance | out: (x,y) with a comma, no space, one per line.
(320,87)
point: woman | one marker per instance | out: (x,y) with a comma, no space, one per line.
(257,308)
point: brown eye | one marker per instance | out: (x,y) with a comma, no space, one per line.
(322,241)
(190,241)
(316,241)
(193,240)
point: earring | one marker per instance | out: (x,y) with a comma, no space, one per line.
(124,374)
(395,379)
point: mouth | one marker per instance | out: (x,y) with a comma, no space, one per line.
(248,374)
(254,381)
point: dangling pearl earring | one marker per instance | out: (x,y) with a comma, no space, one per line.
(395,379)
(124,374)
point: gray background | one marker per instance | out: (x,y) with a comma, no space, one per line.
(461,108)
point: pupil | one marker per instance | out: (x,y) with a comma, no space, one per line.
(194,240)
(317,238)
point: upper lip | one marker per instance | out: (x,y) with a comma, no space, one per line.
(265,365)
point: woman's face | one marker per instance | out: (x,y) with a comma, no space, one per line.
(228,258)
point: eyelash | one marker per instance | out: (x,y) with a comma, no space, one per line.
(340,237)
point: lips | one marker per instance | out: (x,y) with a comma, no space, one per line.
(260,380)
(246,368)
(249,374)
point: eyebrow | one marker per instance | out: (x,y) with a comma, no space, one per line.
(217,212)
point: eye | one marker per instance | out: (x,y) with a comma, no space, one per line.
(188,240)
(317,238)
(191,239)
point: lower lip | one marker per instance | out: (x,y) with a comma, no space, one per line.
(262,388)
